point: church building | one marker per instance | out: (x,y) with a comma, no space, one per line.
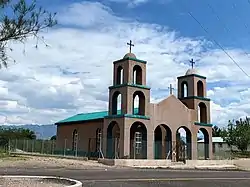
(147,130)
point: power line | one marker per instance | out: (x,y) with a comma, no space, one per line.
(217,43)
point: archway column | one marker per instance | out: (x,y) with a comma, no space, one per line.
(173,147)
(104,141)
(210,146)
(125,143)
(194,146)
(150,144)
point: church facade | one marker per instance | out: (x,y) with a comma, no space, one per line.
(134,128)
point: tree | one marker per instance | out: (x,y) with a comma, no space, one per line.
(53,137)
(20,21)
(7,134)
(216,131)
(237,134)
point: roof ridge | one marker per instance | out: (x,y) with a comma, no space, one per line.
(93,112)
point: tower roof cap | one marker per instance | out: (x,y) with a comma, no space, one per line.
(131,55)
(191,71)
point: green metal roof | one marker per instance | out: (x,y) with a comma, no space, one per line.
(85,117)
(89,116)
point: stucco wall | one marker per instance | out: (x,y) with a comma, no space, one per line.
(85,132)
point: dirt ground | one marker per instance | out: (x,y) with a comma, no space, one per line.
(48,162)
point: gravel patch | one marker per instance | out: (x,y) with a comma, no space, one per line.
(28,182)
(50,162)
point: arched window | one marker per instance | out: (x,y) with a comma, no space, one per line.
(202,113)
(139,103)
(184,89)
(117,103)
(119,78)
(200,89)
(75,140)
(137,75)
(98,139)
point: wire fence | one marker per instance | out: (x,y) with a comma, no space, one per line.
(93,148)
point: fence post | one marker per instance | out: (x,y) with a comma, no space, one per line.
(42,146)
(65,145)
(15,149)
(32,149)
(9,147)
(76,147)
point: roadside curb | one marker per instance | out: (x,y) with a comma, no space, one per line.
(76,183)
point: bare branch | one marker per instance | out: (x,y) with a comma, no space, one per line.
(28,20)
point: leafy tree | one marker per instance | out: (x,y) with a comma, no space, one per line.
(237,134)
(217,132)
(53,137)
(7,134)
(19,21)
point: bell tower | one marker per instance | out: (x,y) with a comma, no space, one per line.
(192,93)
(129,84)
(129,100)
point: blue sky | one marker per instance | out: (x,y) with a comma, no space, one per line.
(71,76)
(225,20)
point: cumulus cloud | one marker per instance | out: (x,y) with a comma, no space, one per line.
(72,75)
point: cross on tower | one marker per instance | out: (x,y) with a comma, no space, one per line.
(192,62)
(130,45)
(171,89)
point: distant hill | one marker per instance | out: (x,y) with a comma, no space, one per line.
(42,131)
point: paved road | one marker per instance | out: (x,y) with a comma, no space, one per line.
(142,177)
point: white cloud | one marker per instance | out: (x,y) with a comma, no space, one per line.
(73,74)
(131,3)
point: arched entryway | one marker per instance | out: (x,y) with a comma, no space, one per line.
(183,144)
(163,142)
(138,141)
(113,138)
(203,144)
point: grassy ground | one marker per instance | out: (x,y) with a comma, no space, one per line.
(6,156)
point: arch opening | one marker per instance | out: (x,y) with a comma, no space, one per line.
(202,113)
(184,89)
(120,75)
(163,142)
(113,140)
(203,144)
(200,89)
(138,103)
(117,103)
(138,141)
(183,146)
(137,75)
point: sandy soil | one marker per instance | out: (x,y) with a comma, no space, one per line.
(21,182)
(48,162)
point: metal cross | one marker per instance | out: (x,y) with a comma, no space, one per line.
(130,45)
(171,89)
(192,62)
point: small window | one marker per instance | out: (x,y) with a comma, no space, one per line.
(220,145)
